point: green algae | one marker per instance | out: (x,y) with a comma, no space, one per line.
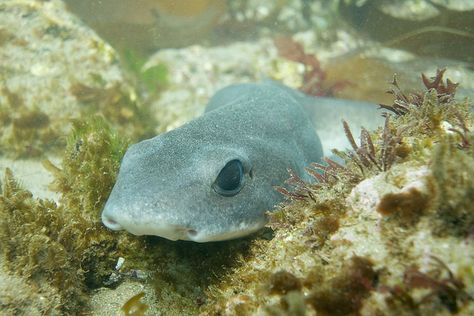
(152,78)
(64,246)
(91,161)
(38,245)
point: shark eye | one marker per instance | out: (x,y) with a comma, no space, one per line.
(229,181)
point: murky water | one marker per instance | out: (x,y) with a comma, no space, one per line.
(82,80)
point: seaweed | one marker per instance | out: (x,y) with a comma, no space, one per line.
(313,75)
(443,289)
(38,244)
(304,268)
(120,108)
(326,175)
(300,190)
(154,79)
(64,247)
(334,181)
(91,162)
(345,293)
(282,282)
(460,128)
(133,307)
(432,112)
(407,206)
(445,92)
(452,169)
(320,230)
(367,156)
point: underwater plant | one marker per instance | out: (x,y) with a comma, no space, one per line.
(39,244)
(257,274)
(313,74)
(124,111)
(91,161)
(344,293)
(443,287)
(37,103)
(62,248)
(452,167)
(153,78)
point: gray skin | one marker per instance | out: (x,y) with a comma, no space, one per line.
(167,184)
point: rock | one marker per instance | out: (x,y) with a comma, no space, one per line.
(53,69)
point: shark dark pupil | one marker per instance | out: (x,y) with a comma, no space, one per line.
(229,180)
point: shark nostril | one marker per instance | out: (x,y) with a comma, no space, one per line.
(192,233)
(111,222)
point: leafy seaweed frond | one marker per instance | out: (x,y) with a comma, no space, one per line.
(369,155)
(463,131)
(401,104)
(300,190)
(446,90)
(326,174)
(445,93)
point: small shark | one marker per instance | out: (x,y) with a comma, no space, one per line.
(214,177)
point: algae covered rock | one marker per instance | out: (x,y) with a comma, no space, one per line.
(52,69)
(388,233)
(60,250)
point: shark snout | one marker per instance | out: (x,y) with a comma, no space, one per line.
(110,222)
